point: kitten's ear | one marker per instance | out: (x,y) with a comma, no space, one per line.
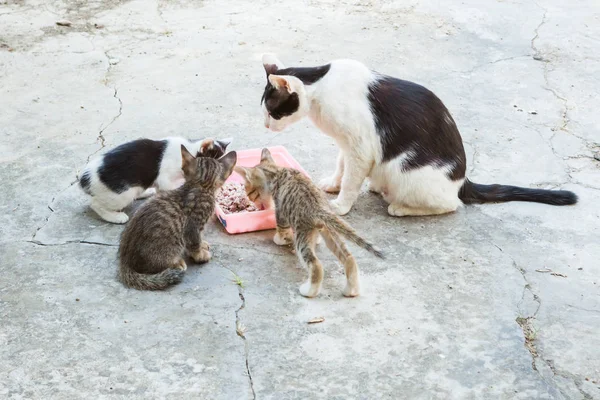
(228,162)
(188,162)
(271,63)
(243,172)
(266,157)
(280,82)
(224,143)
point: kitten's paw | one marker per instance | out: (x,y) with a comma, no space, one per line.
(203,255)
(282,239)
(147,193)
(338,208)
(351,291)
(309,290)
(181,265)
(115,217)
(330,185)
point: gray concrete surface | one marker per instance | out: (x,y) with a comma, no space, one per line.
(458,311)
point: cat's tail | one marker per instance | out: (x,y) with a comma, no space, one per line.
(335,223)
(475,193)
(160,281)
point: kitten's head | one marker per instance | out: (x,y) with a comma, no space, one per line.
(284,100)
(205,171)
(213,148)
(257,180)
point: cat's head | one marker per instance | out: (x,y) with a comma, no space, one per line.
(205,171)
(213,148)
(258,179)
(284,100)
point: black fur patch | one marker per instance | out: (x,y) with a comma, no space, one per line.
(280,103)
(134,163)
(475,193)
(85,182)
(410,117)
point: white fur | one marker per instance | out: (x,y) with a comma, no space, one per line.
(109,205)
(338,105)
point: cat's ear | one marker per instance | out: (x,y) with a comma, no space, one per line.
(243,172)
(281,83)
(224,143)
(271,63)
(266,157)
(188,162)
(228,162)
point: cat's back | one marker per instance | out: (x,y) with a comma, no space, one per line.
(161,215)
(298,190)
(134,163)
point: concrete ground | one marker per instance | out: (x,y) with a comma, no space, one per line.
(492,302)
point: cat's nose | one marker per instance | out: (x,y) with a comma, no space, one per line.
(267,124)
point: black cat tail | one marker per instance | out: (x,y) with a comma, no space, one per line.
(475,193)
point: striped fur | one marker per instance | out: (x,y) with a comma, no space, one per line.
(169,226)
(302,213)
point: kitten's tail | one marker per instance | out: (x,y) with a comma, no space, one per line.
(475,193)
(338,225)
(160,281)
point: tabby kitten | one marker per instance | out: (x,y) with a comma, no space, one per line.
(169,226)
(302,213)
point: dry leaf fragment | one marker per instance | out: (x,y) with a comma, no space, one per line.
(63,23)
(316,320)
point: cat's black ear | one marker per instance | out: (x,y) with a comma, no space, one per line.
(224,143)
(228,162)
(271,63)
(266,157)
(188,162)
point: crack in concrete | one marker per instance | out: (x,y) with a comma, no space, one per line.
(538,56)
(240,329)
(49,205)
(479,66)
(101,137)
(39,243)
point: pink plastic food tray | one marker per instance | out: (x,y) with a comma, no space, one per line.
(256,220)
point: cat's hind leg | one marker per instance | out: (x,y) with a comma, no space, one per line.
(305,249)
(336,245)
(400,210)
(422,191)
(116,217)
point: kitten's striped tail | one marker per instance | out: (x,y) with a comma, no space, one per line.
(160,281)
(338,225)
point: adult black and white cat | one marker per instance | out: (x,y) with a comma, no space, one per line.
(397,133)
(136,169)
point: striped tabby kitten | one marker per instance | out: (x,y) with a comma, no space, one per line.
(169,226)
(301,208)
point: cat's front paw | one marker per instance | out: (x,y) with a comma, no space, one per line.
(351,291)
(203,255)
(282,239)
(330,185)
(309,290)
(340,208)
